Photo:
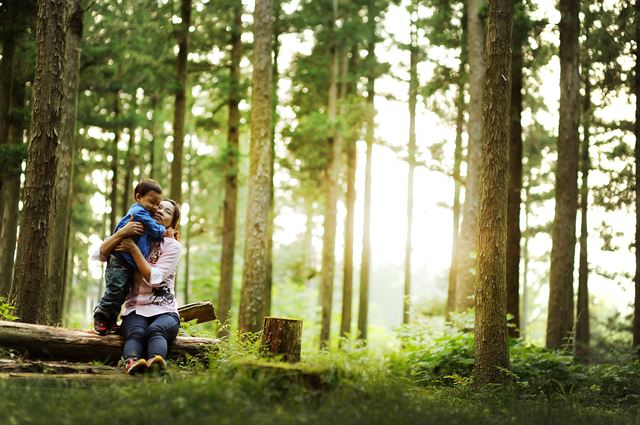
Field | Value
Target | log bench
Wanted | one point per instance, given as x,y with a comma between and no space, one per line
53,343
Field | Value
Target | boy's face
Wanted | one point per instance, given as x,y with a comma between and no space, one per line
149,200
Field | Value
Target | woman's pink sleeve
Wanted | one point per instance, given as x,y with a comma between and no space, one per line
167,262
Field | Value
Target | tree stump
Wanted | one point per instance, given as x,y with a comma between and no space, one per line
282,338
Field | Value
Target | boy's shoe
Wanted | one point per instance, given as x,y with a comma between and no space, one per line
101,325
157,364
133,366
115,328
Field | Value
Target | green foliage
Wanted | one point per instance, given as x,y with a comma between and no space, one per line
6,310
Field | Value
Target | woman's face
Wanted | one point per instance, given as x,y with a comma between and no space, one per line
164,213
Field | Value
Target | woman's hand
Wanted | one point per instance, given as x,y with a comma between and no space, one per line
126,245
132,228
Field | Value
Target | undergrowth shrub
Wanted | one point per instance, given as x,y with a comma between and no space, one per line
444,357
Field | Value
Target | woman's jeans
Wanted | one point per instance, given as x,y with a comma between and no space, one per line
145,337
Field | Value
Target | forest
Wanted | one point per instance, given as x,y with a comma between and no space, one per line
320,211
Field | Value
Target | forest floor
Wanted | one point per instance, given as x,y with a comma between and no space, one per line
354,387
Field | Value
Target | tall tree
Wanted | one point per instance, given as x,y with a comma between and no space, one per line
514,190
363,306
255,272
231,172
560,313
180,101
331,190
113,195
466,243
13,154
413,95
29,290
351,151
491,352
59,237
636,311
582,311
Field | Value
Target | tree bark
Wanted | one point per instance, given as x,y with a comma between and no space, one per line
413,94
490,347
29,291
347,275
363,307
53,343
457,181
180,102
153,131
515,182
61,216
332,174
255,270
466,246
560,312
231,173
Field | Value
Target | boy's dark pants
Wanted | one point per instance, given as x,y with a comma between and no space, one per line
118,276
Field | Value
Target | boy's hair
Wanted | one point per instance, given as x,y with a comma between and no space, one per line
145,186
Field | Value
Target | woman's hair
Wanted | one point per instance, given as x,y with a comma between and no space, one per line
175,219
145,186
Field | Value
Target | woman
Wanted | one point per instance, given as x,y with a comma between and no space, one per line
150,320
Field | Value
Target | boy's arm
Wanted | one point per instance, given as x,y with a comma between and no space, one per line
150,225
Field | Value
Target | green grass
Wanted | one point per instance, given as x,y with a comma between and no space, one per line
427,381
232,396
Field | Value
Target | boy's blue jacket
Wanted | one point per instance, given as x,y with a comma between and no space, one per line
152,231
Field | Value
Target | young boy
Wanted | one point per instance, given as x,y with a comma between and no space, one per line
120,265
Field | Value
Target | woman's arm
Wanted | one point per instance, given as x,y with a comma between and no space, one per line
128,230
158,273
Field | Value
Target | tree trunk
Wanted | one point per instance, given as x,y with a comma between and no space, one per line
582,313
515,181
347,275
29,291
274,120
255,271
231,173
457,180
10,187
491,351
560,317
413,94
59,237
363,307
525,269
282,338
53,343
153,130
466,246
332,174
113,197
180,102
6,89
186,284
127,199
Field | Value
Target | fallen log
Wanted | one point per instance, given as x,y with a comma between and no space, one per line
201,311
52,343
